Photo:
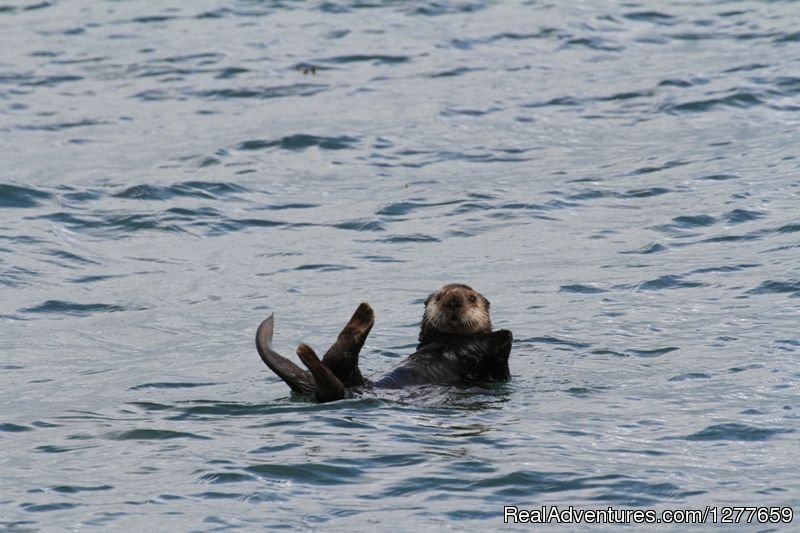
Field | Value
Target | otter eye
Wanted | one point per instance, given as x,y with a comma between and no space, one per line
438,297
472,299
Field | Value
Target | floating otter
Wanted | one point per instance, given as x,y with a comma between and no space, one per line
456,346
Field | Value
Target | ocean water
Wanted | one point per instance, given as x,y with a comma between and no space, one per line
620,178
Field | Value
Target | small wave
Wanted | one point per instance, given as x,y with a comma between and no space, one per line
261,93
686,221
18,276
594,43
670,281
69,258
606,351
228,73
289,205
653,248
582,392
30,7
737,432
404,208
655,17
21,197
154,434
14,428
690,375
93,278
641,493
48,448
789,228
738,216
451,112
361,224
788,37
198,189
655,352
646,193
676,83
47,507
776,287
74,489
307,473
169,385
150,19
112,222
409,238
437,8
719,177
740,99
226,477
62,307
460,71
724,268
549,339
737,369
207,410
60,126
581,289
232,225
324,267
376,59
300,142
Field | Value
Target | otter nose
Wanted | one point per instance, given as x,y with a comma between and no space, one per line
454,303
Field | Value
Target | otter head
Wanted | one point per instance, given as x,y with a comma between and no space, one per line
455,309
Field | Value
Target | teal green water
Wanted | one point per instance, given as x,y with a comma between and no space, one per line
620,180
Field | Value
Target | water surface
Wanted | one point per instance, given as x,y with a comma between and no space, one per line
620,180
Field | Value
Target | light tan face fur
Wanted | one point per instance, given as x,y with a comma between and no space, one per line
457,309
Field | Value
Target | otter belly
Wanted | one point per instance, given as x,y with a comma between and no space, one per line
453,360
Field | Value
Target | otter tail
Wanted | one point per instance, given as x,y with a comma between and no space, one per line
299,380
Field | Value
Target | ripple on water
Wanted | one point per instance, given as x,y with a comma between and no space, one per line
736,431
739,216
310,473
791,287
170,385
48,507
652,248
254,92
14,428
375,59
197,189
480,128
581,289
654,352
75,489
551,340
154,434
301,141
690,375
62,307
16,196
668,282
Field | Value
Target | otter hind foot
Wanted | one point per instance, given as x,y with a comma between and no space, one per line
327,387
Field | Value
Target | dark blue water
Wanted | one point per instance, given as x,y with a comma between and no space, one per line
620,179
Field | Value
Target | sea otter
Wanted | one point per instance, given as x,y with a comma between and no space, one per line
456,346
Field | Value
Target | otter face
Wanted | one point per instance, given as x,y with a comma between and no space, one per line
455,309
